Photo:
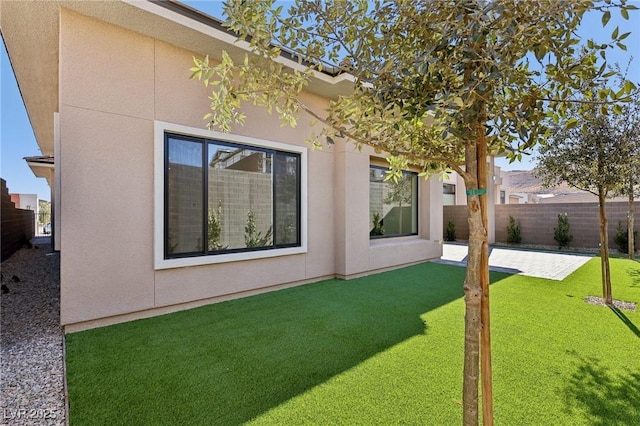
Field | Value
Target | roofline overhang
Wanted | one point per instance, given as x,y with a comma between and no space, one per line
42,167
41,161
31,31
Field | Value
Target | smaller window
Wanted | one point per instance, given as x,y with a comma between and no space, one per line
393,206
448,194
502,197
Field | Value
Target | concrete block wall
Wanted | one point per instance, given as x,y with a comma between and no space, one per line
17,224
376,201
227,187
537,222
230,187
457,214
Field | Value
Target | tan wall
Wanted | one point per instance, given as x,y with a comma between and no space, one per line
537,222
113,84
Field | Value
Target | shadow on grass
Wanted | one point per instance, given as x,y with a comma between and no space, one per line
227,363
626,321
606,398
635,277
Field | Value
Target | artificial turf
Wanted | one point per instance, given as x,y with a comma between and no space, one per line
383,349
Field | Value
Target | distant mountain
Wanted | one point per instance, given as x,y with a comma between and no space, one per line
525,181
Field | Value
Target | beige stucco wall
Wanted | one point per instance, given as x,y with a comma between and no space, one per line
114,84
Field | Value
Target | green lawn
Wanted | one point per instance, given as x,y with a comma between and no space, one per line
384,349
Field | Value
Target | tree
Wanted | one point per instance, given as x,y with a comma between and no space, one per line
589,155
436,84
628,125
400,194
44,215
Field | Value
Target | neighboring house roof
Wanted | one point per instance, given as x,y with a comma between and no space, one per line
525,182
31,34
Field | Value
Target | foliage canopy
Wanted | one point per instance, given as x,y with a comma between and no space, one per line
425,73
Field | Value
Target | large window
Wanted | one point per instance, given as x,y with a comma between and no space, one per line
393,206
222,197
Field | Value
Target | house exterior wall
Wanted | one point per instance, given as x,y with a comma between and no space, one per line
115,85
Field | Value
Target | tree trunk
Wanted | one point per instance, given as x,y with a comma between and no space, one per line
476,288
604,251
485,331
630,217
472,293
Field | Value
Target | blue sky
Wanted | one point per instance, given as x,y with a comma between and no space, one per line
18,141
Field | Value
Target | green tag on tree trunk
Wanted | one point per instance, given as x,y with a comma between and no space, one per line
476,191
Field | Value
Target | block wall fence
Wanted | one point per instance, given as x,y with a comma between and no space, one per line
17,224
537,222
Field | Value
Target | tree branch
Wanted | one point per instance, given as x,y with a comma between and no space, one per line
407,154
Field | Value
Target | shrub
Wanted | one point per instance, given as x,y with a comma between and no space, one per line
561,233
377,225
622,239
451,231
214,234
513,231
253,237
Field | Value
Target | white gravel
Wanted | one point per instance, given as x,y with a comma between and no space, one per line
31,339
620,304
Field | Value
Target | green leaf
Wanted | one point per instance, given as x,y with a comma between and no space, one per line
625,13
629,86
605,18
623,36
614,34
573,122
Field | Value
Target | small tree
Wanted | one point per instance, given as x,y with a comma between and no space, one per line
451,231
44,208
628,125
513,231
562,233
253,237
587,153
399,194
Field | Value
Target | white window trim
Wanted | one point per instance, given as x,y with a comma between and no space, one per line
160,128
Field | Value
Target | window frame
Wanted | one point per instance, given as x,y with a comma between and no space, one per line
444,192
162,131
417,206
